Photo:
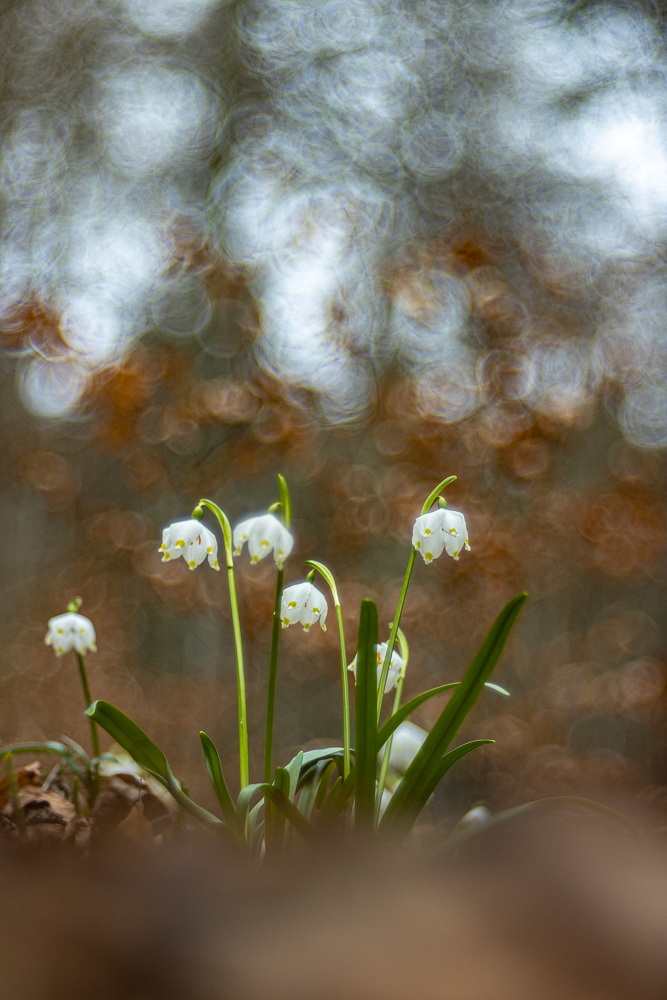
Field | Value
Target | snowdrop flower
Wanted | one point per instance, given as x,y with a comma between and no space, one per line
395,666
441,529
303,603
263,535
405,746
70,631
192,540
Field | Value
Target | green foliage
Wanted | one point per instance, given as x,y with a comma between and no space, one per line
365,721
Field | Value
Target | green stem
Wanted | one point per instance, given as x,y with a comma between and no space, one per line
89,701
346,692
238,644
328,576
394,630
430,500
387,747
273,673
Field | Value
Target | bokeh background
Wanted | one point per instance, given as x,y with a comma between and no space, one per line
366,245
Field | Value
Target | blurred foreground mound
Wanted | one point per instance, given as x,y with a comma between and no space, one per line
540,909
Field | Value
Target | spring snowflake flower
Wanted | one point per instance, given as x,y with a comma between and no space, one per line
395,667
70,631
192,540
405,746
303,603
263,534
441,529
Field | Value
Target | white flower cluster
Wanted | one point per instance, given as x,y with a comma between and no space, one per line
70,631
441,529
192,540
395,667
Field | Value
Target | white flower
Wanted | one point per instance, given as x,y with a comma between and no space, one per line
303,603
70,631
441,529
395,666
405,746
192,540
263,535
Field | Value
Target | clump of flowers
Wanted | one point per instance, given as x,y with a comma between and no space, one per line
306,796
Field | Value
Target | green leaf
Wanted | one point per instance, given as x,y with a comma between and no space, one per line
288,809
49,746
365,720
214,768
338,796
294,770
308,789
131,737
243,802
406,818
147,755
411,788
323,785
394,721
275,822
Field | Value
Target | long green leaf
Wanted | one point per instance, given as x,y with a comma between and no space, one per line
365,720
49,746
275,819
411,788
214,768
406,817
294,770
394,721
288,809
338,796
308,789
323,785
147,755
131,737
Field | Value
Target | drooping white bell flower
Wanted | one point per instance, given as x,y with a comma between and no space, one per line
263,534
70,631
303,603
441,529
395,667
192,540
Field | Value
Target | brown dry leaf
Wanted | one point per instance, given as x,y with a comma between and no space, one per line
29,775
136,825
118,794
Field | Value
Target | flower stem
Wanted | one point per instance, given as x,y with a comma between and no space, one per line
328,576
244,766
394,629
89,701
238,644
273,673
397,704
430,500
346,692
285,507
